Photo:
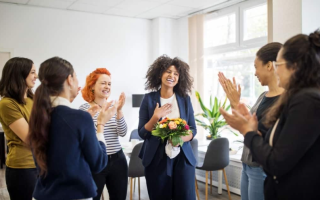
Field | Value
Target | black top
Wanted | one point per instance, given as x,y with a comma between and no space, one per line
292,164
265,104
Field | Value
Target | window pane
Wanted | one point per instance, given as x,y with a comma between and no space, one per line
220,31
238,64
255,22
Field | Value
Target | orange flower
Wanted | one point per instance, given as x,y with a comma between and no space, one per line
163,121
184,122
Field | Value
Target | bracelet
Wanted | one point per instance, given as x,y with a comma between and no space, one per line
100,124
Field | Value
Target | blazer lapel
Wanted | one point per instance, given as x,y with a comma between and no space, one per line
181,105
155,100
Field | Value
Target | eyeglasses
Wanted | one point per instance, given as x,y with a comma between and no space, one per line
276,65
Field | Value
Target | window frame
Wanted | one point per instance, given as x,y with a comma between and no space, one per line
255,41
240,43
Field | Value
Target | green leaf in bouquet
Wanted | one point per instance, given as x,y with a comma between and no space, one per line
176,140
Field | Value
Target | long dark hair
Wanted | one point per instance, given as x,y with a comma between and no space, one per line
52,74
269,52
160,65
302,54
13,81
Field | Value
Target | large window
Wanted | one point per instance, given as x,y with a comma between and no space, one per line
231,39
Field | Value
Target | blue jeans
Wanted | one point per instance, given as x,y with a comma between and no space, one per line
252,181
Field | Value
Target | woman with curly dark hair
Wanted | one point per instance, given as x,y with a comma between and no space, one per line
169,171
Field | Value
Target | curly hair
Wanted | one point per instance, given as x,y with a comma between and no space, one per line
160,65
87,92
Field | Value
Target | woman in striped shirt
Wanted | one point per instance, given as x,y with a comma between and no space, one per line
115,176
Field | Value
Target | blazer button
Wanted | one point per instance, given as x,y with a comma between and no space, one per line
274,177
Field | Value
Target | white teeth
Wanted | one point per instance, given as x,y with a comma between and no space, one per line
171,80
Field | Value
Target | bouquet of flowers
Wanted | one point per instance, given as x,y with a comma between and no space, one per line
172,129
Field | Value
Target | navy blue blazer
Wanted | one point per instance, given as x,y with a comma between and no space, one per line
151,143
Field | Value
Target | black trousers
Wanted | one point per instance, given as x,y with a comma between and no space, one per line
179,186
114,176
21,183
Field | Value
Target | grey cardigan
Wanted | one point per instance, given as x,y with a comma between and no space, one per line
246,154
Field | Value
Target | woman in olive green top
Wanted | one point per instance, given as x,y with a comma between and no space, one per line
18,78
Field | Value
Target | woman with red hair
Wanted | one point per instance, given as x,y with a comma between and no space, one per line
115,176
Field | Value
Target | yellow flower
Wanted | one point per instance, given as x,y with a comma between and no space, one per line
161,126
177,122
164,125
180,120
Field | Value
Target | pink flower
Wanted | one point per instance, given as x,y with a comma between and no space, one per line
186,127
172,125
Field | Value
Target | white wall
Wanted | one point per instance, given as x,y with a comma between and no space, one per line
310,16
170,36
125,46
286,19
88,41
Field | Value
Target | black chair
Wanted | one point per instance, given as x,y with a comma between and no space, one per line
135,135
136,169
216,158
194,146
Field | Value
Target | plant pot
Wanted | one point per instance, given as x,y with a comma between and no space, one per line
209,137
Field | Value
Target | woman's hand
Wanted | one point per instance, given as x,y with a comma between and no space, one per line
107,112
162,111
233,94
188,137
122,100
239,122
93,110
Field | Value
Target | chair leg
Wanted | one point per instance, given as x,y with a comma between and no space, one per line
131,188
206,185
134,184
211,182
197,192
139,186
227,184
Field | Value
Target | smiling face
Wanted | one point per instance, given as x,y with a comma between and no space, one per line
102,88
32,77
263,71
170,77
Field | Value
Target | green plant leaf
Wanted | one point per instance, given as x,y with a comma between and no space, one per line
216,106
203,107
211,102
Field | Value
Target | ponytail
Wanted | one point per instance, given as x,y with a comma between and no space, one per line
40,119
52,74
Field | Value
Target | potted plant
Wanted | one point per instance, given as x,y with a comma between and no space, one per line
213,121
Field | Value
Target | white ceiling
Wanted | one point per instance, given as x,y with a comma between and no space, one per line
147,9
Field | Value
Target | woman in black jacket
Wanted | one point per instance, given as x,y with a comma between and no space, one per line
290,151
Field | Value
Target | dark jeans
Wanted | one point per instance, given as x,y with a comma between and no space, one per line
180,186
21,183
114,176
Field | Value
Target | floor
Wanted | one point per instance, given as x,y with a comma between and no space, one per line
144,194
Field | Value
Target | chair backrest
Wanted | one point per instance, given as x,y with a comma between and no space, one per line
135,135
217,155
194,145
136,169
